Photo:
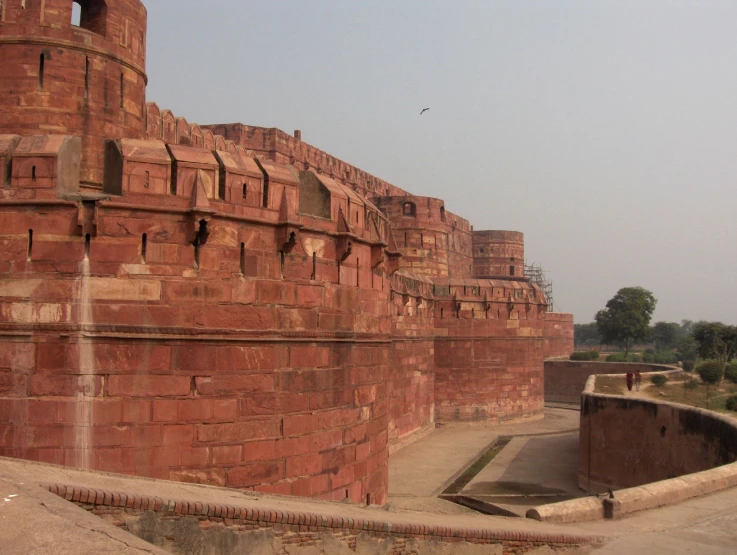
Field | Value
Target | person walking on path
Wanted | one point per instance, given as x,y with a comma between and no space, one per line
638,379
630,379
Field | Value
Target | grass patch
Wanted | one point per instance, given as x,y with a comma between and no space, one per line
470,473
675,392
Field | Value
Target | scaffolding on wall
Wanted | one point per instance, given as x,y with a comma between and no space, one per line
536,275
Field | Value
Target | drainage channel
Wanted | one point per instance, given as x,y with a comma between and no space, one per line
452,492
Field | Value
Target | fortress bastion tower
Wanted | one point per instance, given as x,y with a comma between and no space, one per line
87,80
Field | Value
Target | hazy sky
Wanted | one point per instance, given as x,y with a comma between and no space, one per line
605,131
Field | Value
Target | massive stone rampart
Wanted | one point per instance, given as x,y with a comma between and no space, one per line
176,304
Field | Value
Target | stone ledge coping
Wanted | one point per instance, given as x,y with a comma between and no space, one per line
100,497
575,510
648,496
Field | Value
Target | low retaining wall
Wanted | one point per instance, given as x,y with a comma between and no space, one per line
179,526
661,453
627,442
565,379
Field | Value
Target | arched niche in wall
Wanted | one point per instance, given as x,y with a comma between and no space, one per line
409,210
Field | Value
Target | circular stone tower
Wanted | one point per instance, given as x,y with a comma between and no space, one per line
74,67
498,254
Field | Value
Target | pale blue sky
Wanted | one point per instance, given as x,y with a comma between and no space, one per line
605,131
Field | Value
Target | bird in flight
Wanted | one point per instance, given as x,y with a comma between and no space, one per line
424,110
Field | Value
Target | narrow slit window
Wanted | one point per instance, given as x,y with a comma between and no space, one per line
144,245
86,77
281,263
245,191
243,259
87,242
41,64
265,199
147,180
29,255
511,270
33,173
314,266
122,89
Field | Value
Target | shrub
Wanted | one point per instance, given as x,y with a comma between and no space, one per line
710,372
585,355
665,357
688,365
691,384
732,403
730,371
659,380
619,357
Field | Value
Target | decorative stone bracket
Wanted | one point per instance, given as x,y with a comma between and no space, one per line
288,227
200,213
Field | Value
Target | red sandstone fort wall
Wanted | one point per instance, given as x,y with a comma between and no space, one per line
177,302
558,333
88,80
489,352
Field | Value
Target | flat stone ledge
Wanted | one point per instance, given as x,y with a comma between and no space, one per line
575,510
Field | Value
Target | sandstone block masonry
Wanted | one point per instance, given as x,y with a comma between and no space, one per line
178,304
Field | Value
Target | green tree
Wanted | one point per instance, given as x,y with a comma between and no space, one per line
586,334
687,347
665,334
626,318
716,341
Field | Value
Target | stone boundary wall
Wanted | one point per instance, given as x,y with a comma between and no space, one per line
565,379
706,444
209,522
558,333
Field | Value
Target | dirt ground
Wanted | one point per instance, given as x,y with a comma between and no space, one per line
674,391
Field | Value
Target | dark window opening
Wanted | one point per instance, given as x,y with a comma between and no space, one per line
87,241
358,264
481,250
147,181
265,199
243,259
442,213
33,173
90,15
511,270
29,255
41,63
408,209
314,266
245,191
122,89
144,241
441,313
86,77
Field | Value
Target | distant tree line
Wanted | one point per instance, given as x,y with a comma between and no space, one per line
626,321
